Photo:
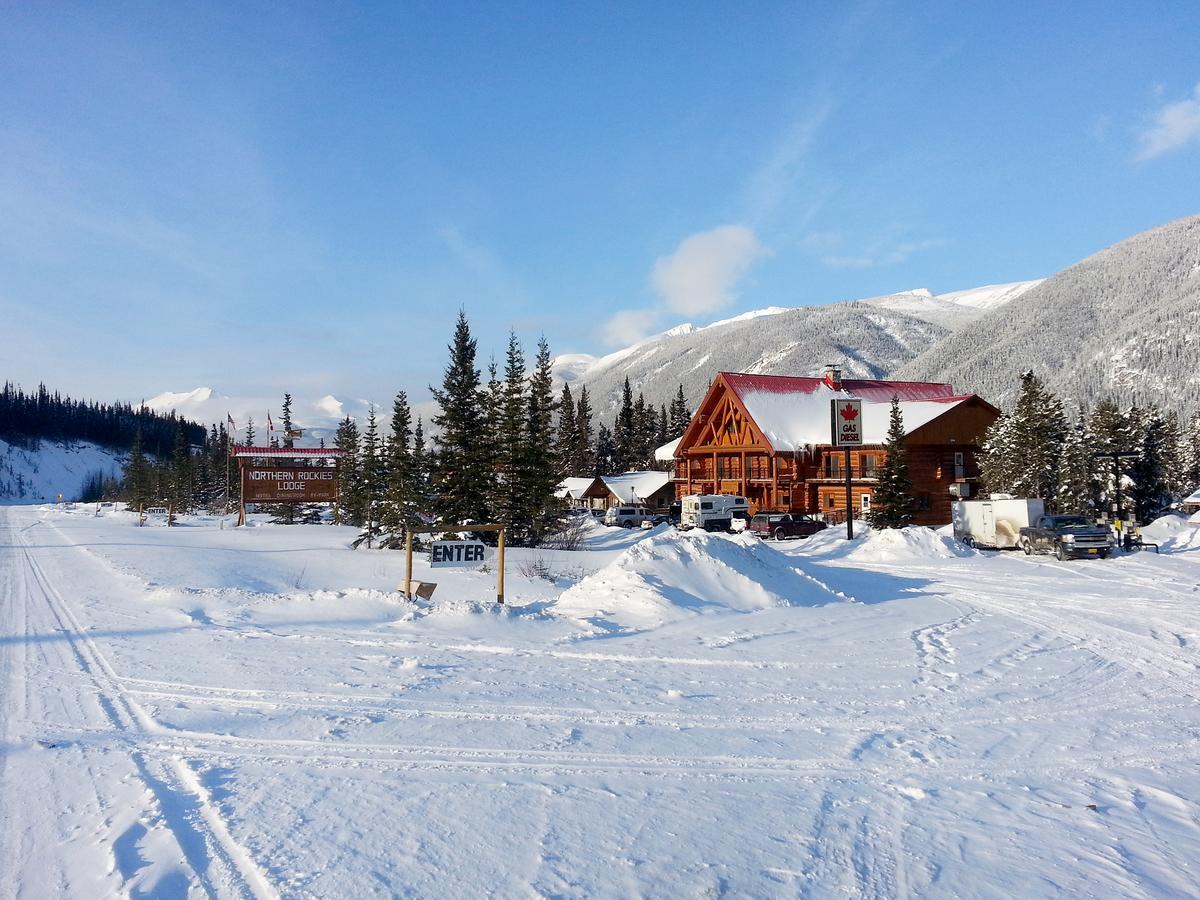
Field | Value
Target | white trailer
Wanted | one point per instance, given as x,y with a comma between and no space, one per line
995,524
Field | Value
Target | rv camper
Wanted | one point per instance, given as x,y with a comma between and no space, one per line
994,524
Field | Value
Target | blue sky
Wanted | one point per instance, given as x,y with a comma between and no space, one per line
300,197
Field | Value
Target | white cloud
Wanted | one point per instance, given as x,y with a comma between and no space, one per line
628,327
882,255
777,177
700,276
1175,125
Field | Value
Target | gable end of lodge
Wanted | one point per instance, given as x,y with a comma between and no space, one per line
767,437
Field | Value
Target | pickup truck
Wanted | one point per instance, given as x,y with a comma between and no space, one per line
1067,537
784,525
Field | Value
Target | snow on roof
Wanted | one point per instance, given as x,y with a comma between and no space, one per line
666,453
629,487
573,488
794,412
286,452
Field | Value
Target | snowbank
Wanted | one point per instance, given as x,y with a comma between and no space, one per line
673,574
871,545
1174,533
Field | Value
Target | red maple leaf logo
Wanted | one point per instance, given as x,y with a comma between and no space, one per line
848,412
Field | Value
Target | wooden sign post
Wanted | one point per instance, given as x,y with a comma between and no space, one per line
465,558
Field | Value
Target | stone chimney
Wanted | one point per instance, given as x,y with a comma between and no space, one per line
833,377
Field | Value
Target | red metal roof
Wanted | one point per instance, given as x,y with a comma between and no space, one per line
286,452
868,389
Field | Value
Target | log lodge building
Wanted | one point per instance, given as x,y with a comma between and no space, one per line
767,437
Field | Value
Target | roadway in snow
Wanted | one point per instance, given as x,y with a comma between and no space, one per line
198,712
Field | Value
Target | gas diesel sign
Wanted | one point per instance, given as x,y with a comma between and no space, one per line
295,484
846,418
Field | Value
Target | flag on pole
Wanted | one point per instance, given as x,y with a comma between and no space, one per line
232,424
270,424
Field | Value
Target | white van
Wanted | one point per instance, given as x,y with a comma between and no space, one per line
629,516
713,512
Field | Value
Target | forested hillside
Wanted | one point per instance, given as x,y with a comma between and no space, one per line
1124,324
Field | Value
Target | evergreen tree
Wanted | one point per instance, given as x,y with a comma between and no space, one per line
623,431
1190,456
138,480
1021,453
461,476
1150,491
250,431
493,413
997,459
606,453
181,473
892,503
584,460
351,497
541,461
663,434
398,510
1109,428
681,416
287,421
1076,470
372,480
568,437
511,502
420,469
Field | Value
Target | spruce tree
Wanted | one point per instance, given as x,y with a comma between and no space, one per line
623,431
372,480
1076,467
181,473
350,487
287,421
541,461
585,455
1150,492
606,453
1022,451
398,508
139,489
681,416
461,475
892,504
1191,457
663,435
493,414
511,501
1109,428
568,437
249,431
420,469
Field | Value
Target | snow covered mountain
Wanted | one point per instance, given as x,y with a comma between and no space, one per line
39,474
318,417
869,338
1124,322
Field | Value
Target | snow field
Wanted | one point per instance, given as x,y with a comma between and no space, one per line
253,712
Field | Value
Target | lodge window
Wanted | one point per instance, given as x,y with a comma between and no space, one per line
869,462
923,502
829,502
728,467
760,467
833,466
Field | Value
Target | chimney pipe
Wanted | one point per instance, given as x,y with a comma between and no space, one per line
833,377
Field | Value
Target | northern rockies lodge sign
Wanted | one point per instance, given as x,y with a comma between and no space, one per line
294,484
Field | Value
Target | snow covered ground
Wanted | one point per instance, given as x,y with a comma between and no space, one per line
55,467
202,711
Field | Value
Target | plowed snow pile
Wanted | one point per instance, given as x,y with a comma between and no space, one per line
678,574
887,545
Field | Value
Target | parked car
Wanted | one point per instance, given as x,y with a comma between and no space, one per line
1067,537
626,516
785,525
712,512
655,520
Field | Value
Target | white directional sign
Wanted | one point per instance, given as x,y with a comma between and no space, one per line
463,554
846,416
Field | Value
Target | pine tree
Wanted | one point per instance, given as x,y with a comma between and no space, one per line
1191,456
584,461
138,487
249,431
461,476
1021,452
372,479
997,459
1109,428
623,431
541,461
606,453
893,504
398,508
511,502
1076,470
663,434
420,469
351,499
287,421
681,416
568,437
1150,491
181,473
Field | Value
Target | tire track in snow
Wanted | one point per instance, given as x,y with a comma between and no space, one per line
184,806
